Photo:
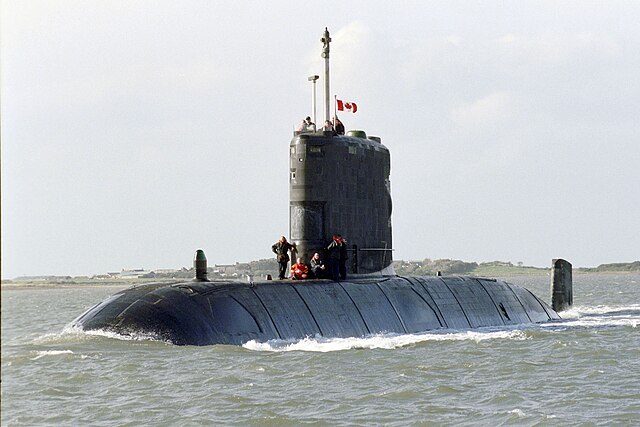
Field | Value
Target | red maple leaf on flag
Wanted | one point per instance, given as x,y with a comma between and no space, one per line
349,106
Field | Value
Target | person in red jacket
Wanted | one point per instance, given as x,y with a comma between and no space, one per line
299,270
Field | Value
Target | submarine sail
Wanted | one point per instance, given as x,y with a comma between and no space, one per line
340,185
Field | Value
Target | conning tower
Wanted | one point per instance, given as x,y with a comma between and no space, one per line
339,184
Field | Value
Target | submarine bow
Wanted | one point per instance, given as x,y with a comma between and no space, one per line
204,313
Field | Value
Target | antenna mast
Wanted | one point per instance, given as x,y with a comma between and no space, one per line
325,54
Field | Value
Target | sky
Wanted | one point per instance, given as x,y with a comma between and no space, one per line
134,133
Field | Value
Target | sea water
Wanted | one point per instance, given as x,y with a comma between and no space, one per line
584,369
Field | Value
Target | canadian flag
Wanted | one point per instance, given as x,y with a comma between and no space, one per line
350,106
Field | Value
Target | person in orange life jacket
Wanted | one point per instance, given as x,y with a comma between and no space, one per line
281,248
334,257
299,271
318,268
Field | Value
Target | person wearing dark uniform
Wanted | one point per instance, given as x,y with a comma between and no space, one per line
338,126
334,257
343,257
281,248
318,268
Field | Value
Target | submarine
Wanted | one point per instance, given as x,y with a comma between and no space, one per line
338,184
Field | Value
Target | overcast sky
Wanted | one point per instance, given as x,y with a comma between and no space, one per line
134,133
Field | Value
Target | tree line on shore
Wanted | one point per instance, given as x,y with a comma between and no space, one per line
427,267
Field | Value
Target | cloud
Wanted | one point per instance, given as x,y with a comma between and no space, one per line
557,47
486,111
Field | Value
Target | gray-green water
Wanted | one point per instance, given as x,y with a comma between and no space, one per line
584,370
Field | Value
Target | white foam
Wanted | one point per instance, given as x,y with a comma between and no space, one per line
598,316
74,333
41,354
133,336
593,322
579,311
379,341
577,317
519,412
68,334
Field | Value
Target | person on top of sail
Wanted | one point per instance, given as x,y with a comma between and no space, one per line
307,125
328,126
338,126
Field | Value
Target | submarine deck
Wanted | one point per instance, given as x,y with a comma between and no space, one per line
203,313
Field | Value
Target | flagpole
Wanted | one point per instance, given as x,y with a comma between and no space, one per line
313,95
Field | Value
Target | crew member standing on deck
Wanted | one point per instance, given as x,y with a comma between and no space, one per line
343,257
334,257
281,248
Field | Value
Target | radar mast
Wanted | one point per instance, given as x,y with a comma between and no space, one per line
325,54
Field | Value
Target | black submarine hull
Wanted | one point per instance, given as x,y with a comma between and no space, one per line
206,313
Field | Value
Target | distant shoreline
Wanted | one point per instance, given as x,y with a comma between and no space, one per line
81,283
99,283
261,268
33,285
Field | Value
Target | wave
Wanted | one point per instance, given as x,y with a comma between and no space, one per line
579,311
130,336
74,334
598,316
577,317
381,341
41,354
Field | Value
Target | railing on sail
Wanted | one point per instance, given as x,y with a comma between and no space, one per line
356,250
